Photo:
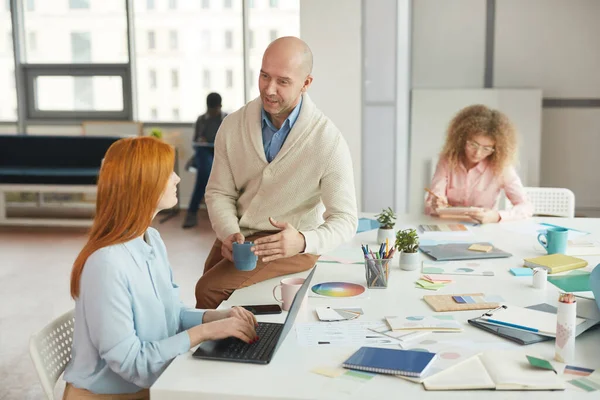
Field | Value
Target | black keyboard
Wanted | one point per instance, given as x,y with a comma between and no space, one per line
260,350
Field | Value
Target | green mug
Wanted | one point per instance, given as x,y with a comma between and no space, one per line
554,240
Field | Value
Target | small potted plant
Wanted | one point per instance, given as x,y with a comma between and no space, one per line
157,133
387,221
407,243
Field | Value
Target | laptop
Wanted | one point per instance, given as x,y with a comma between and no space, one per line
261,352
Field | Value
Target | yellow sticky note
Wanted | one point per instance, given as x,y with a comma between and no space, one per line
330,372
480,247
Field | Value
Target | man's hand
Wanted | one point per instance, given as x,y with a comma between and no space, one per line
227,246
286,243
484,216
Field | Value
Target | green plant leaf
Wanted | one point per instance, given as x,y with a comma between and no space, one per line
387,218
407,241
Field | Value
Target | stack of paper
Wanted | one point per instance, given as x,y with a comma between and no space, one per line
496,369
432,283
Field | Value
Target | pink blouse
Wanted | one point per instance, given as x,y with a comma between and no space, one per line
479,187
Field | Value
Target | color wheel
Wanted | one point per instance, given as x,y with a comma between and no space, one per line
338,289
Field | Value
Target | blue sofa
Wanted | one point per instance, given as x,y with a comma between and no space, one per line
52,160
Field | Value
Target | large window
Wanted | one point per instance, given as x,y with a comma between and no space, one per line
64,29
268,20
198,50
75,63
75,56
8,96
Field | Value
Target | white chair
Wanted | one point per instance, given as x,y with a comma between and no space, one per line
50,350
555,202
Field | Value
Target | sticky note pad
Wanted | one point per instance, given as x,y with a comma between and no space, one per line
480,247
540,363
459,299
521,271
331,372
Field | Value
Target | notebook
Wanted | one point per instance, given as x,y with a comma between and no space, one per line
555,263
447,302
496,369
524,337
390,361
524,319
460,251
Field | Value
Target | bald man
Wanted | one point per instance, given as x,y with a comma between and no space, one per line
282,179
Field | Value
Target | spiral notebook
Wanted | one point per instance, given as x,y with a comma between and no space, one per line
390,361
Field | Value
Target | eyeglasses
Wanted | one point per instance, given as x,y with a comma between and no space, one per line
476,147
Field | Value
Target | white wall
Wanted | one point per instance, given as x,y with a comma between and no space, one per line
550,44
553,45
332,29
448,43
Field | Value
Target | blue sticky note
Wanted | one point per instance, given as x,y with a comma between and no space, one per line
521,271
367,224
469,300
459,299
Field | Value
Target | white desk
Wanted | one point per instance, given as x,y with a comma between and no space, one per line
288,375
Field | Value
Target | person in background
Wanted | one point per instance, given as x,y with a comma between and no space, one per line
476,163
205,132
282,178
129,321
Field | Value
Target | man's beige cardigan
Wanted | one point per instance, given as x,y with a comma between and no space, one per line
309,184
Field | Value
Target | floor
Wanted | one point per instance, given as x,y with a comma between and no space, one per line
35,264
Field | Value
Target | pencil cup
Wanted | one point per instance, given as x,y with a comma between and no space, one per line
377,273
540,276
564,346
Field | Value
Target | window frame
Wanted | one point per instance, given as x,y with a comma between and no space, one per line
32,71
26,73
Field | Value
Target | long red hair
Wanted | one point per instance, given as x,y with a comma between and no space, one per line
132,179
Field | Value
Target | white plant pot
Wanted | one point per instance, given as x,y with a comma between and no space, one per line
383,234
410,261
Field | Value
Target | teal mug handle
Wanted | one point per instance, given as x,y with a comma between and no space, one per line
545,242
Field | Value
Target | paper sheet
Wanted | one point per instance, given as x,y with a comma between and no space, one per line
435,323
448,355
465,267
343,333
349,383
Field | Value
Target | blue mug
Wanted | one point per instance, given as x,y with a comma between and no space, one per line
555,240
243,258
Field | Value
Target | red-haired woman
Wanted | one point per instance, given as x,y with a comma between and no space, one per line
129,321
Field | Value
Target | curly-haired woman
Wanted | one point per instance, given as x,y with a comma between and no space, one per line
477,162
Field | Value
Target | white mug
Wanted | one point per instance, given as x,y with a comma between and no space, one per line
289,288
540,276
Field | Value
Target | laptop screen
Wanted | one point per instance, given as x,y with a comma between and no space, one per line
295,307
